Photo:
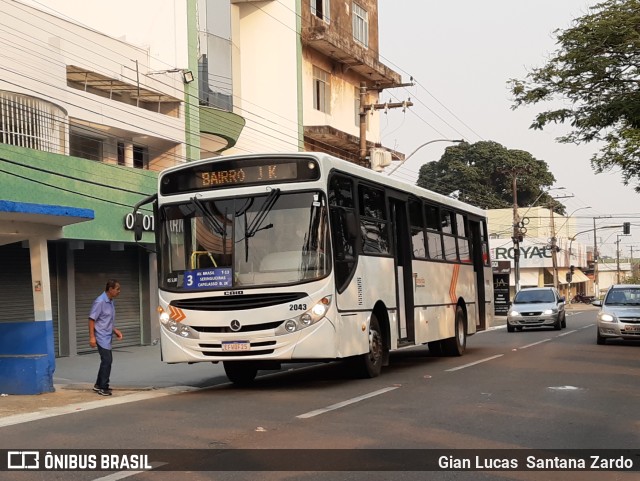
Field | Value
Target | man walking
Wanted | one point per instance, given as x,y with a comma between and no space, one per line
101,329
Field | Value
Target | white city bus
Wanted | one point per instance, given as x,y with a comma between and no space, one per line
277,258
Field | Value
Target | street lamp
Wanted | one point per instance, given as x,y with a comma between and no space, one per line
418,148
569,217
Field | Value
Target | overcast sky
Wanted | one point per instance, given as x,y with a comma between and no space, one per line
462,53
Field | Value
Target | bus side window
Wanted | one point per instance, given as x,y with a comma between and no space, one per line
448,239
344,229
374,227
416,220
434,236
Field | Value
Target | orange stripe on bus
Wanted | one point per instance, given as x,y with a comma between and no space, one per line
454,284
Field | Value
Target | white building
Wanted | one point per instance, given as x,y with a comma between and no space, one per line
538,262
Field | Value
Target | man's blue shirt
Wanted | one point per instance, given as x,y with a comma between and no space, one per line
103,312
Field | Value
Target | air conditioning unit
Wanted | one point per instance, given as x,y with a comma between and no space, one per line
380,158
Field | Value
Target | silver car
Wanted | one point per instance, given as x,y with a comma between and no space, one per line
619,315
536,307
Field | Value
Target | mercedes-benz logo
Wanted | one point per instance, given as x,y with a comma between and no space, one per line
235,325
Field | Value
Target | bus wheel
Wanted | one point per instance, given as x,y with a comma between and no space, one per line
240,372
455,346
435,348
370,364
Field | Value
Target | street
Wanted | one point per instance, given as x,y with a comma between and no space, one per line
536,389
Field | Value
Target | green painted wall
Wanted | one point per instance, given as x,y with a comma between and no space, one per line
111,191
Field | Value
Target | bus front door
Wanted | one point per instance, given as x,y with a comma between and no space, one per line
404,272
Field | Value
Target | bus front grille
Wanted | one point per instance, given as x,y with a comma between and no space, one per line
241,302
246,328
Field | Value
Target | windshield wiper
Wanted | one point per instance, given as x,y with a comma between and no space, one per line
256,224
209,218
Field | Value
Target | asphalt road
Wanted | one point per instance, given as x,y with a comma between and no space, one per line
537,389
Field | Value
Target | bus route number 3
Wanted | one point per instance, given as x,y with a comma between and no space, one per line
297,307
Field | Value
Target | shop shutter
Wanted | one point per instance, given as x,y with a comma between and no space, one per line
94,265
16,298
53,276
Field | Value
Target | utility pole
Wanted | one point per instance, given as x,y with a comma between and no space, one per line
554,249
516,235
366,108
596,285
596,255
618,258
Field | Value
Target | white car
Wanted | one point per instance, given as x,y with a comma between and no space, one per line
619,315
536,307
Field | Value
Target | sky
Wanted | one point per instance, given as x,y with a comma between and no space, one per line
461,54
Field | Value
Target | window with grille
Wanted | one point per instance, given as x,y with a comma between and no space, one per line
32,123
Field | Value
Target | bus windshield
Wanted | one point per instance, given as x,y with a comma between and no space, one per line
264,240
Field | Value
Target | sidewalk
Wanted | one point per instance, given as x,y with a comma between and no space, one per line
137,373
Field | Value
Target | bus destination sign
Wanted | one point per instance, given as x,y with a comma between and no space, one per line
225,173
256,174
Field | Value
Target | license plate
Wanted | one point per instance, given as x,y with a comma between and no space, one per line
236,346
632,328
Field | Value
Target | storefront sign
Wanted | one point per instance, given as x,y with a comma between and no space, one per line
501,271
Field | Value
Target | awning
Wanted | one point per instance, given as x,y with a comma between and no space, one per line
21,220
578,275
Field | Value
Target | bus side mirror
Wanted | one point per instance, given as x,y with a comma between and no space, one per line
137,226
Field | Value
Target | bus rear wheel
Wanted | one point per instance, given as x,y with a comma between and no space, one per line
240,372
370,364
456,345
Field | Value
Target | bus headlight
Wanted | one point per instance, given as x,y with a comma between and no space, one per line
177,327
306,319
164,318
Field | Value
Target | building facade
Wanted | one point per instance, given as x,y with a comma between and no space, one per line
86,122
302,86
546,253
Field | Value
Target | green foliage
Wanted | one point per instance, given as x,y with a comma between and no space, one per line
596,73
483,173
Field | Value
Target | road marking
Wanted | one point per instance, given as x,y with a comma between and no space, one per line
342,404
567,333
82,407
125,474
534,344
474,363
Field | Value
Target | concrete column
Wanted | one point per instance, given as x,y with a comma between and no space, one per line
128,154
40,279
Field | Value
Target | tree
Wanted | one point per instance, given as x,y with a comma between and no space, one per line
481,174
597,70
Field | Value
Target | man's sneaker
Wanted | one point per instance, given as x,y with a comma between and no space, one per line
104,392
96,388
